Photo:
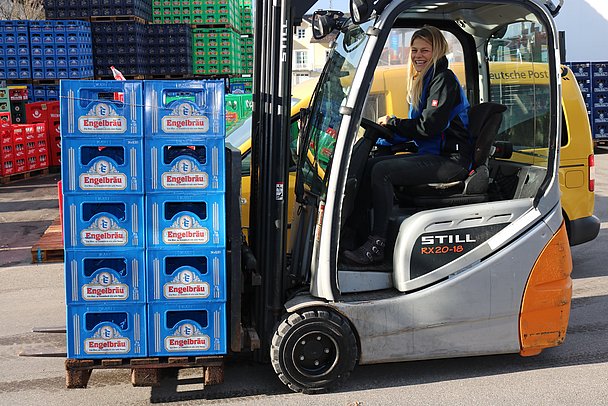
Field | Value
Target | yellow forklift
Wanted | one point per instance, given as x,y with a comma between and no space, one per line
476,267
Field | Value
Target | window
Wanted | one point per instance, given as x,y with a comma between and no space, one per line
300,33
519,77
301,59
301,77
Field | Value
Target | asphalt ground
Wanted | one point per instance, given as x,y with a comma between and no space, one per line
32,296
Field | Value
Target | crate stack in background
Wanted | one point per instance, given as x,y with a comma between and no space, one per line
122,44
185,212
47,113
61,49
216,51
38,53
24,148
592,78
15,61
69,9
217,28
169,48
103,218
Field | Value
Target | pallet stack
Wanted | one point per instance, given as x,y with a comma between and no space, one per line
24,149
69,9
47,113
217,46
169,50
37,54
145,260
122,44
103,216
185,195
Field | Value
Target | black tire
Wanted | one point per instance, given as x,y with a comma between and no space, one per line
312,350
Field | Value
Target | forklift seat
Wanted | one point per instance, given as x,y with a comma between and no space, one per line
484,122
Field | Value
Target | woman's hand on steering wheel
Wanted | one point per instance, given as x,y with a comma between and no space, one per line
375,130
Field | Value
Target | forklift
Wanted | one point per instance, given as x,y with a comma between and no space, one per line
476,267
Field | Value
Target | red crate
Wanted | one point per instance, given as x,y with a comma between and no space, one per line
5,117
18,134
20,150
7,168
36,112
32,162
20,165
6,134
43,160
7,153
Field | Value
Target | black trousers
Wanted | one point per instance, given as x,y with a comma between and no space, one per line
383,173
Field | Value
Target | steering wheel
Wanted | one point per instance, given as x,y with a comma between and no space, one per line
375,130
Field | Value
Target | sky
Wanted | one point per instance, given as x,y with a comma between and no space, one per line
591,14
341,5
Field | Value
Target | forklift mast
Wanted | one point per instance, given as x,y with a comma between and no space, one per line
274,22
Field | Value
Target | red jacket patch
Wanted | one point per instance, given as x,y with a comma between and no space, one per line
434,103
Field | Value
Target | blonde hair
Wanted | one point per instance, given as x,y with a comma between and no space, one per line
439,45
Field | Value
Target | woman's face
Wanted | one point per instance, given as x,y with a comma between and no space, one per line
421,53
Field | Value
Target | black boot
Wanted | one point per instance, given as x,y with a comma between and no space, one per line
371,252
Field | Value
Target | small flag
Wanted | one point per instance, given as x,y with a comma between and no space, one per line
117,74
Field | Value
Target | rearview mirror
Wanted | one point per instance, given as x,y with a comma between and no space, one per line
360,10
325,21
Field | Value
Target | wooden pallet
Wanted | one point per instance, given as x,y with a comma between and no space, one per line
184,76
127,76
120,19
38,82
144,371
23,175
50,246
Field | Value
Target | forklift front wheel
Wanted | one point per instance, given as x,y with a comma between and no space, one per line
312,350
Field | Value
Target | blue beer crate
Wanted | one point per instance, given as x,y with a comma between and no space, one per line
108,222
599,69
185,164
584,85
184,107
581,70
98,276
599,85
600,116
600,131
187,329
106,331
107,108
102,165
185,220
600,101
183,275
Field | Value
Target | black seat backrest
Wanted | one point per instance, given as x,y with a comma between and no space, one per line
484,122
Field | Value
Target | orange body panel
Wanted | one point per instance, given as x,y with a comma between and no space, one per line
545,309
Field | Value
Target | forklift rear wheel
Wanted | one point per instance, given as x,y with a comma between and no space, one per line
312,350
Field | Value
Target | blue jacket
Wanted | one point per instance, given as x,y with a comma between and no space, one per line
440,127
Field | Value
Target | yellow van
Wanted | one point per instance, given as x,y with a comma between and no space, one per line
387,96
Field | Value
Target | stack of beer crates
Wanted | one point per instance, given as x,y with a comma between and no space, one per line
185,210
592,78
5,106
103,218
48,113
61,49
24,148
144,255
14,50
